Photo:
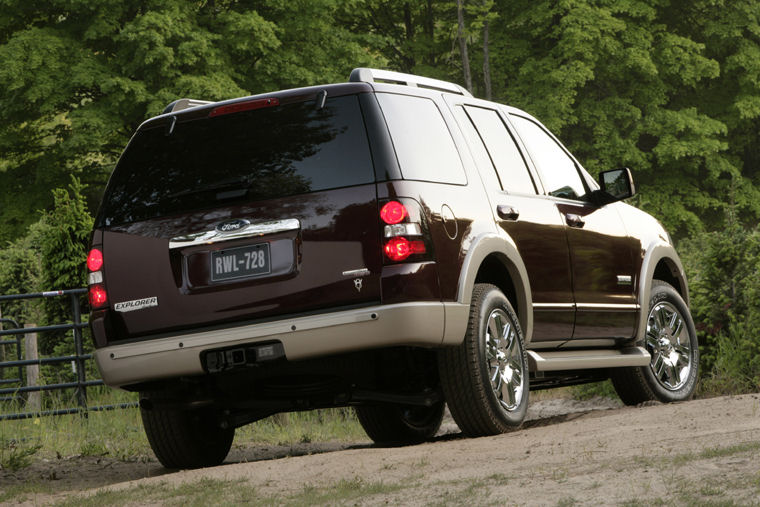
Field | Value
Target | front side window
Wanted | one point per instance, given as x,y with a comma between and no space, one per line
423,143
558,171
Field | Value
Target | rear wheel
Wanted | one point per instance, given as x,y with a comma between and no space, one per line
394,424
485,379
671,340
186,438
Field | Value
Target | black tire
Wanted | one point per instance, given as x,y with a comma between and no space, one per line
476,403
673,372
186,438
394,424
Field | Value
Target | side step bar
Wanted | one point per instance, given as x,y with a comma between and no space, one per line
555,360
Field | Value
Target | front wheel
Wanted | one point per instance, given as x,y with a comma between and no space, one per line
485,379
671,340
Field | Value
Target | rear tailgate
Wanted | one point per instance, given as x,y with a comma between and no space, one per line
312,257
253,210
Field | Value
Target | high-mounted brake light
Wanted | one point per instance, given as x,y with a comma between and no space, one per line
393,212
94,260
248,105
98,296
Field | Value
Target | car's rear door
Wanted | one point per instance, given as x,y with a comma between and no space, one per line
531,220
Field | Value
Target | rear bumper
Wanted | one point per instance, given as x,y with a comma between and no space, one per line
407,324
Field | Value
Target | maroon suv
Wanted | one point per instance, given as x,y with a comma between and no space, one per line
391,244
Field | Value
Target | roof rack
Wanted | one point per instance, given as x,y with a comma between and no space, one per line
179,105
365,75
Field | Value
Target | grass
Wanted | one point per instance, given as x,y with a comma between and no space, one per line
116,433
119,433
225,492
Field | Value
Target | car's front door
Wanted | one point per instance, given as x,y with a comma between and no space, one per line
601,251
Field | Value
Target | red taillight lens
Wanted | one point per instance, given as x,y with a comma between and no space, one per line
393,212
399,249
94,260
98,296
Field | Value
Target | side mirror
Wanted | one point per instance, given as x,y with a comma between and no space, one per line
615,185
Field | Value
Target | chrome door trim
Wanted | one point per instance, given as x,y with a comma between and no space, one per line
607,306
214,236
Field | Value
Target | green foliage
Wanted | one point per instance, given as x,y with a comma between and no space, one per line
724,274
15,456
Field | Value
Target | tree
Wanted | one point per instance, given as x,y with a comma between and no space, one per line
79,77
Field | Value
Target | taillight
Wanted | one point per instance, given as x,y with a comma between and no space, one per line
393,212
399,249
95,260
402,233
97,291
98,296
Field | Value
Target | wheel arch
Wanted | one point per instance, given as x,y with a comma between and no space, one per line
494,259
661,262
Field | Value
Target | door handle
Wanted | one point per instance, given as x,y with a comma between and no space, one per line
574,220
507,212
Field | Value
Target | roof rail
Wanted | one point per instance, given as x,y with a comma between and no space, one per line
365,75
179,105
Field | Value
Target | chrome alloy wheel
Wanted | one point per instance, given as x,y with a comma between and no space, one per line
669,344
504,359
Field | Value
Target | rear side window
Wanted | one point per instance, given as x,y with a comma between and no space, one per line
241,157
423,143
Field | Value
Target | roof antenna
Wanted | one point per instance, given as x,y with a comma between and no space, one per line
321,99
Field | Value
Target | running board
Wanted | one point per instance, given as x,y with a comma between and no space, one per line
556,360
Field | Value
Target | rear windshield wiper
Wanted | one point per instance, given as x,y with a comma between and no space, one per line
225,190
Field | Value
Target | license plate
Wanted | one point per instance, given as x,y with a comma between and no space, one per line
240,262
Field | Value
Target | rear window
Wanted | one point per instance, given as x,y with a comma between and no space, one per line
241,157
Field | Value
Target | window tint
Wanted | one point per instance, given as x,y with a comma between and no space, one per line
422,140
241,157
505,154
557,169
478,150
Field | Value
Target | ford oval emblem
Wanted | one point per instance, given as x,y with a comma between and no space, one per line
232,225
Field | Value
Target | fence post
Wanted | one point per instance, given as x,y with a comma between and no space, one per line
81,387
34,401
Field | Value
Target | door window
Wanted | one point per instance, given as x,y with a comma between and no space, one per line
505,155
558,171
478,150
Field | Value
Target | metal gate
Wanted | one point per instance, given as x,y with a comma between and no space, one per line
78,357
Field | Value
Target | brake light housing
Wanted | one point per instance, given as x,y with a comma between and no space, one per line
403,237
97,294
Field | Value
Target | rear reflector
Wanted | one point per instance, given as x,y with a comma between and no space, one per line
98,296
244,106
94,260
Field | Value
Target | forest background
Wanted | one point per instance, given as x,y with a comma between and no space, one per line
668,88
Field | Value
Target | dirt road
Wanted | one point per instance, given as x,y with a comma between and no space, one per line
703,451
